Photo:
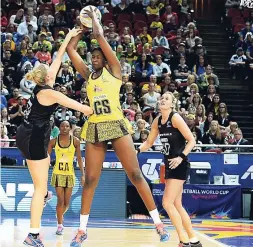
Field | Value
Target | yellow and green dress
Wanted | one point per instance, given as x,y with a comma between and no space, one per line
63,173
108,121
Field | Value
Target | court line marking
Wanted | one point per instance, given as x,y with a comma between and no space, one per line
212,240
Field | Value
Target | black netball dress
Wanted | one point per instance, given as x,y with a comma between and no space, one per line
33,135
173,145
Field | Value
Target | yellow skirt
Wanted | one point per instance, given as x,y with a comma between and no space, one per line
106,131
65,181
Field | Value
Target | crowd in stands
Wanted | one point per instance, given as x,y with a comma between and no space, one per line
159,47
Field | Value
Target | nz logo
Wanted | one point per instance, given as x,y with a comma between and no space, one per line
247,3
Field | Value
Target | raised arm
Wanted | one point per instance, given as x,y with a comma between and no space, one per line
53,69
111,58
76,59
49,97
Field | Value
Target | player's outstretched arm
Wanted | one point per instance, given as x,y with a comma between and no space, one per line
49,97
111,58
54,67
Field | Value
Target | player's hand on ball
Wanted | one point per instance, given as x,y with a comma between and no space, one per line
74,32
175,162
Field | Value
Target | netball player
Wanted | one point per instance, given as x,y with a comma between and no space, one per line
63,176
106,124
174,133
33,135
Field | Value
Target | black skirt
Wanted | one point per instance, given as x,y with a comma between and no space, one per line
180,172
33,140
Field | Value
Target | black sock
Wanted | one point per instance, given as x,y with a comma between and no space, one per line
35,235
46,195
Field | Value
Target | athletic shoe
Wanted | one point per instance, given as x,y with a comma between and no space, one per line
183,245
59,230
198,244
164,235
48,198
78,239
31,241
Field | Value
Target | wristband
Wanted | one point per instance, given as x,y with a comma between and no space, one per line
138,150
183,156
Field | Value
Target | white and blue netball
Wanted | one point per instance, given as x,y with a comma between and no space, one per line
85,19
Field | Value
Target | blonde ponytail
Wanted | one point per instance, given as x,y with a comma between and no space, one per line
38,75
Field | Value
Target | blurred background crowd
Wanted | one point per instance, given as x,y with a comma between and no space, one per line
159,47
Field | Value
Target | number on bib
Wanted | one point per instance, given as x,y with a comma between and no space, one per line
63,166
102,107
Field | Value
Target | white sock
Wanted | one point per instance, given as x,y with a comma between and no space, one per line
60,225
155,216
34,230
194,240
83,221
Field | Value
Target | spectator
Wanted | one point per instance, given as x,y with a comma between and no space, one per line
136,7
120,8
230,137
125,67
213,135
84,99
182,71
152,8
203,79
26,87
201,117
17,112
4,136
237,64
61,6
167,81
239,140
140,126
46,19
30,4
43,55
42,41
160,40
143,69
223,117
199,67
18,18
79,118
4,20
145,34
131,56
5,118
129,100
156,23
3,102
198,142
207,123
214,105
161,69
208,98
191,122
65,76
151,98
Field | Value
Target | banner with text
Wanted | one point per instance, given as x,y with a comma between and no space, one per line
206,201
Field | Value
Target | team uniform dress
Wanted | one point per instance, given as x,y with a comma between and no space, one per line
33,135
63,173
107,122
173,145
